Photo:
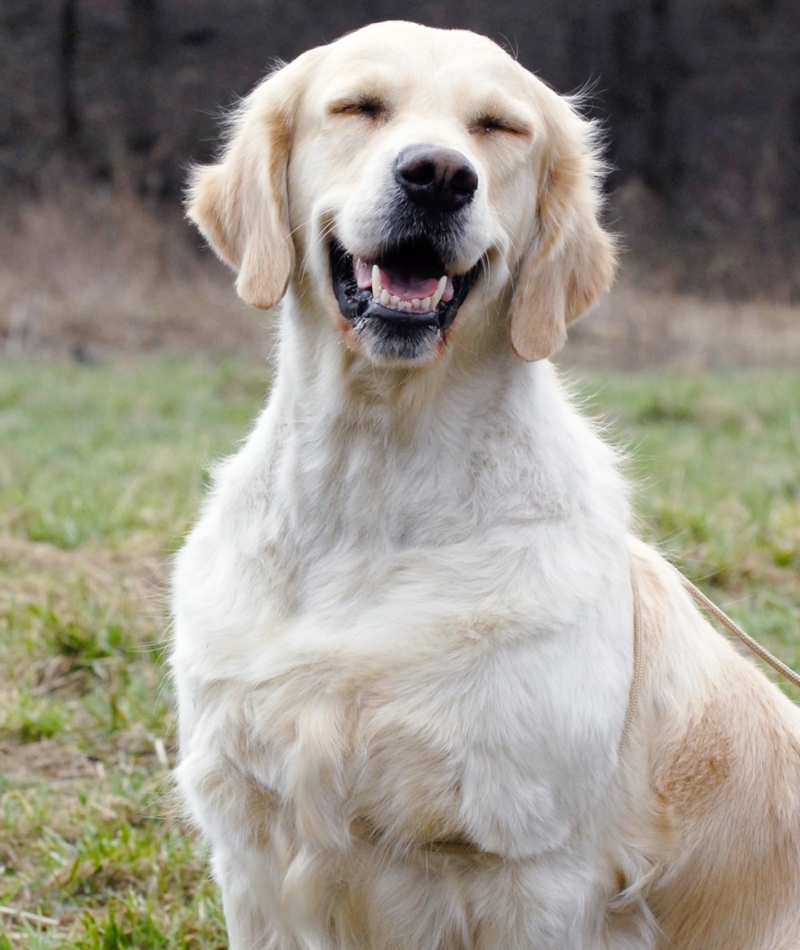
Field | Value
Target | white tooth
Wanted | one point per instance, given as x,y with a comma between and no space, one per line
376,281
405,305
416,303
395,300
439,291
426,303
385,298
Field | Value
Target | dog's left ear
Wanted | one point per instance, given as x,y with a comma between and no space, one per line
571,261
241,204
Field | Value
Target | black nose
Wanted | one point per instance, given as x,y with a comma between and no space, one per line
438,179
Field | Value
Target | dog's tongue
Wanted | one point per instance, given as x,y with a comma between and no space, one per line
408,286
403,285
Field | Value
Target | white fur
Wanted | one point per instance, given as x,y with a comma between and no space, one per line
408,600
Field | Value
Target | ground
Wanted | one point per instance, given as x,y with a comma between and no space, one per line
102,468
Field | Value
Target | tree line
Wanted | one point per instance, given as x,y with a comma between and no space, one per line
701,98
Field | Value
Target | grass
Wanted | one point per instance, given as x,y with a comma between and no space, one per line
102,469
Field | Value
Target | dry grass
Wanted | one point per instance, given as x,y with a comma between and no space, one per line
634,328
90,271
89,838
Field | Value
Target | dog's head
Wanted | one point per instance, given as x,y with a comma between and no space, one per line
409,180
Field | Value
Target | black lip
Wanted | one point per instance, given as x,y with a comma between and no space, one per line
358,305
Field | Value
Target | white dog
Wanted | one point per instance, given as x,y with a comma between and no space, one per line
405,624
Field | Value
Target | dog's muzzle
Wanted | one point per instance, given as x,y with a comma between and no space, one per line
407,294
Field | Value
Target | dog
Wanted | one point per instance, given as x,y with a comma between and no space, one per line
432,693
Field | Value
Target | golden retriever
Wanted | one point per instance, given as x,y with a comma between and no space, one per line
405,625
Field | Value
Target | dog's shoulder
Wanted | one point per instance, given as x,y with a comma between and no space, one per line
720,746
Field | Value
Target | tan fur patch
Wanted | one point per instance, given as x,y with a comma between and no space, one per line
701,765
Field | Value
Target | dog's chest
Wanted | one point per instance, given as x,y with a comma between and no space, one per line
457,679
364,760
473,743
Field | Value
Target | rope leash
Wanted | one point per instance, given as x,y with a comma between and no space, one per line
719,615
636,682
737,631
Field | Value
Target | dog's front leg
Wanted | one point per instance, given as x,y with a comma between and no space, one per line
236,815
244,904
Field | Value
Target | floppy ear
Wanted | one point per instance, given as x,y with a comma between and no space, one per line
571,261
241,204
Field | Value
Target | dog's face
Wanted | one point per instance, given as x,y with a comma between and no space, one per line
411,181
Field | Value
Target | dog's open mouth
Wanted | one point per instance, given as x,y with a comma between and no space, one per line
408,286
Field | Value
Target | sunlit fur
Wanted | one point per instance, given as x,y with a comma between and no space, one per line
407,601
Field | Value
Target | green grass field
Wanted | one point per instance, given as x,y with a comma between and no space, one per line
101,471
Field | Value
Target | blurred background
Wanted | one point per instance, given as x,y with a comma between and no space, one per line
104,104
128,366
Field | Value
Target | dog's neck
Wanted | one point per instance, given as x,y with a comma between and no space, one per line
320,378
424,455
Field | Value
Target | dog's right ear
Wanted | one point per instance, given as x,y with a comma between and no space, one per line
241,203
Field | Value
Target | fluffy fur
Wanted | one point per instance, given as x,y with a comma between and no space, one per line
407,605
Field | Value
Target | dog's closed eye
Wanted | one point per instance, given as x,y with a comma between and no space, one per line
366,104
489,123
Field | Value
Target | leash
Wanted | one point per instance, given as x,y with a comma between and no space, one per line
636,682
719,615
737,631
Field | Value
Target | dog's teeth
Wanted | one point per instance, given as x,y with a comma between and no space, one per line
376,282
395,300
436,298
426,303
385,298
416,303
